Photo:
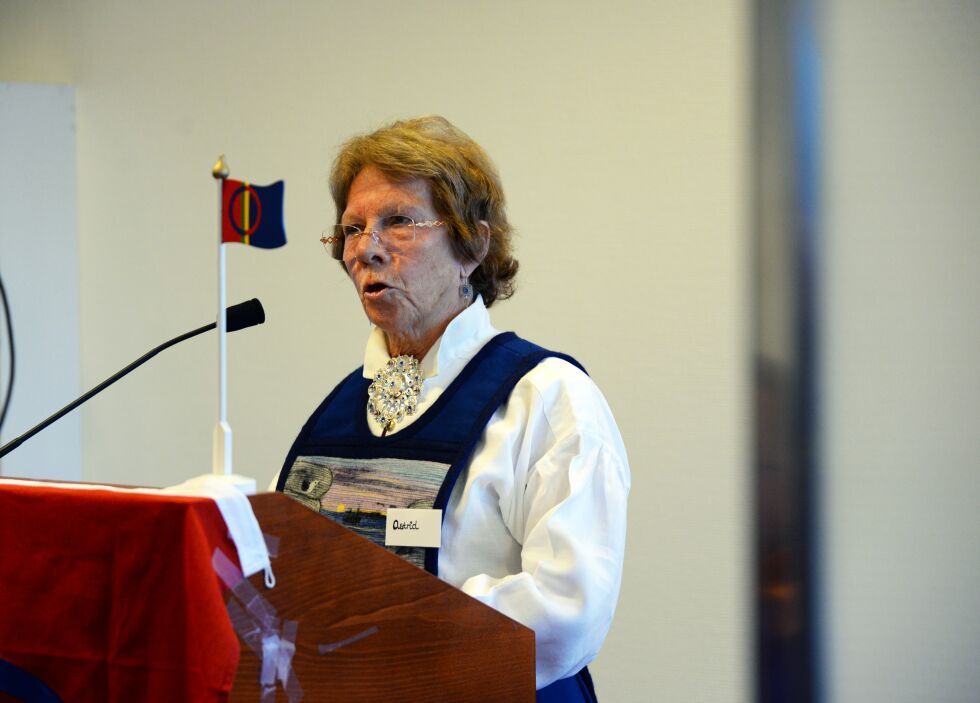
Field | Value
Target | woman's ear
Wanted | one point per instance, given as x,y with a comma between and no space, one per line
483,242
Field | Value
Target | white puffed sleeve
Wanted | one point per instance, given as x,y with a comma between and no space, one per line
538,529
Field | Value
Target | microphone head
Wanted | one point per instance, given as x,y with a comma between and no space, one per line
247,314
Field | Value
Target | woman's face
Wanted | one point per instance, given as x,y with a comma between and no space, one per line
410,291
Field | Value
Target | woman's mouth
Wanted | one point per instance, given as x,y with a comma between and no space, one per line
374,290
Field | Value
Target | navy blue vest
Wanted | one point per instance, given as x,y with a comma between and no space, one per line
336,449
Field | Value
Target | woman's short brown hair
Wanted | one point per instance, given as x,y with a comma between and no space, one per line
465,189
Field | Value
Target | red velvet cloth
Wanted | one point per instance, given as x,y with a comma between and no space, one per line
110,596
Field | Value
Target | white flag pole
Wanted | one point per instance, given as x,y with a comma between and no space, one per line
221,447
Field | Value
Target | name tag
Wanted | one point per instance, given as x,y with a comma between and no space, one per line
408,527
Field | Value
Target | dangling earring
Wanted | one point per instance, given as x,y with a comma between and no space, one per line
465,288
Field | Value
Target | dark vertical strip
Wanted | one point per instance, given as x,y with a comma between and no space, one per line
807,120
786,179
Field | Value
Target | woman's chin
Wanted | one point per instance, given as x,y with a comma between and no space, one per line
385,317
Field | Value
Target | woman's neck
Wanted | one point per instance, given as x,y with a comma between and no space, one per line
417,345
413,346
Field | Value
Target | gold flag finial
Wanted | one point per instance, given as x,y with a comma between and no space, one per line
220,168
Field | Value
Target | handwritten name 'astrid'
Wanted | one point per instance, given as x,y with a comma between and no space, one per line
404,525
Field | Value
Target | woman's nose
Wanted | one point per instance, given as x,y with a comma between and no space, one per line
370,248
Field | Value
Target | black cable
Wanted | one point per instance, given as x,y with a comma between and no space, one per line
10,346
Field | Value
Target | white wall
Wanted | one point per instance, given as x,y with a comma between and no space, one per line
620,131
39,254
901,324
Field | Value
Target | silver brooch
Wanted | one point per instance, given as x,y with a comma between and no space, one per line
395,391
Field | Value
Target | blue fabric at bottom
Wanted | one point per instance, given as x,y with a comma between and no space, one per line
574,689
23,686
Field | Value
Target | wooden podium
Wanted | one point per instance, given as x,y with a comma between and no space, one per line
110,596
432,642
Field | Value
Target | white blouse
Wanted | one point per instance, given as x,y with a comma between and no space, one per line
536,526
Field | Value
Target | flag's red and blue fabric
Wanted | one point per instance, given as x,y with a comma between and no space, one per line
252,214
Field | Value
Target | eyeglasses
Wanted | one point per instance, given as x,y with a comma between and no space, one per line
391,232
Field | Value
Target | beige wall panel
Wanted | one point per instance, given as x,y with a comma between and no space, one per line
620,131
901,326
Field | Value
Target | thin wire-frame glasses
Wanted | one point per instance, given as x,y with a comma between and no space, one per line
390,232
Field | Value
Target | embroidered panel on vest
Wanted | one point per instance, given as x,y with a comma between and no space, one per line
357,493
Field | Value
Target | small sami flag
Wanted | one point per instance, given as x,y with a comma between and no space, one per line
252,214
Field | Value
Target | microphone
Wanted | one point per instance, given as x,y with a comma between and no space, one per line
237,317
247,314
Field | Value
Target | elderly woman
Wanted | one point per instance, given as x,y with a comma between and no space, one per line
513,443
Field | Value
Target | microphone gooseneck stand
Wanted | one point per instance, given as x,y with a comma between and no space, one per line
237,317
